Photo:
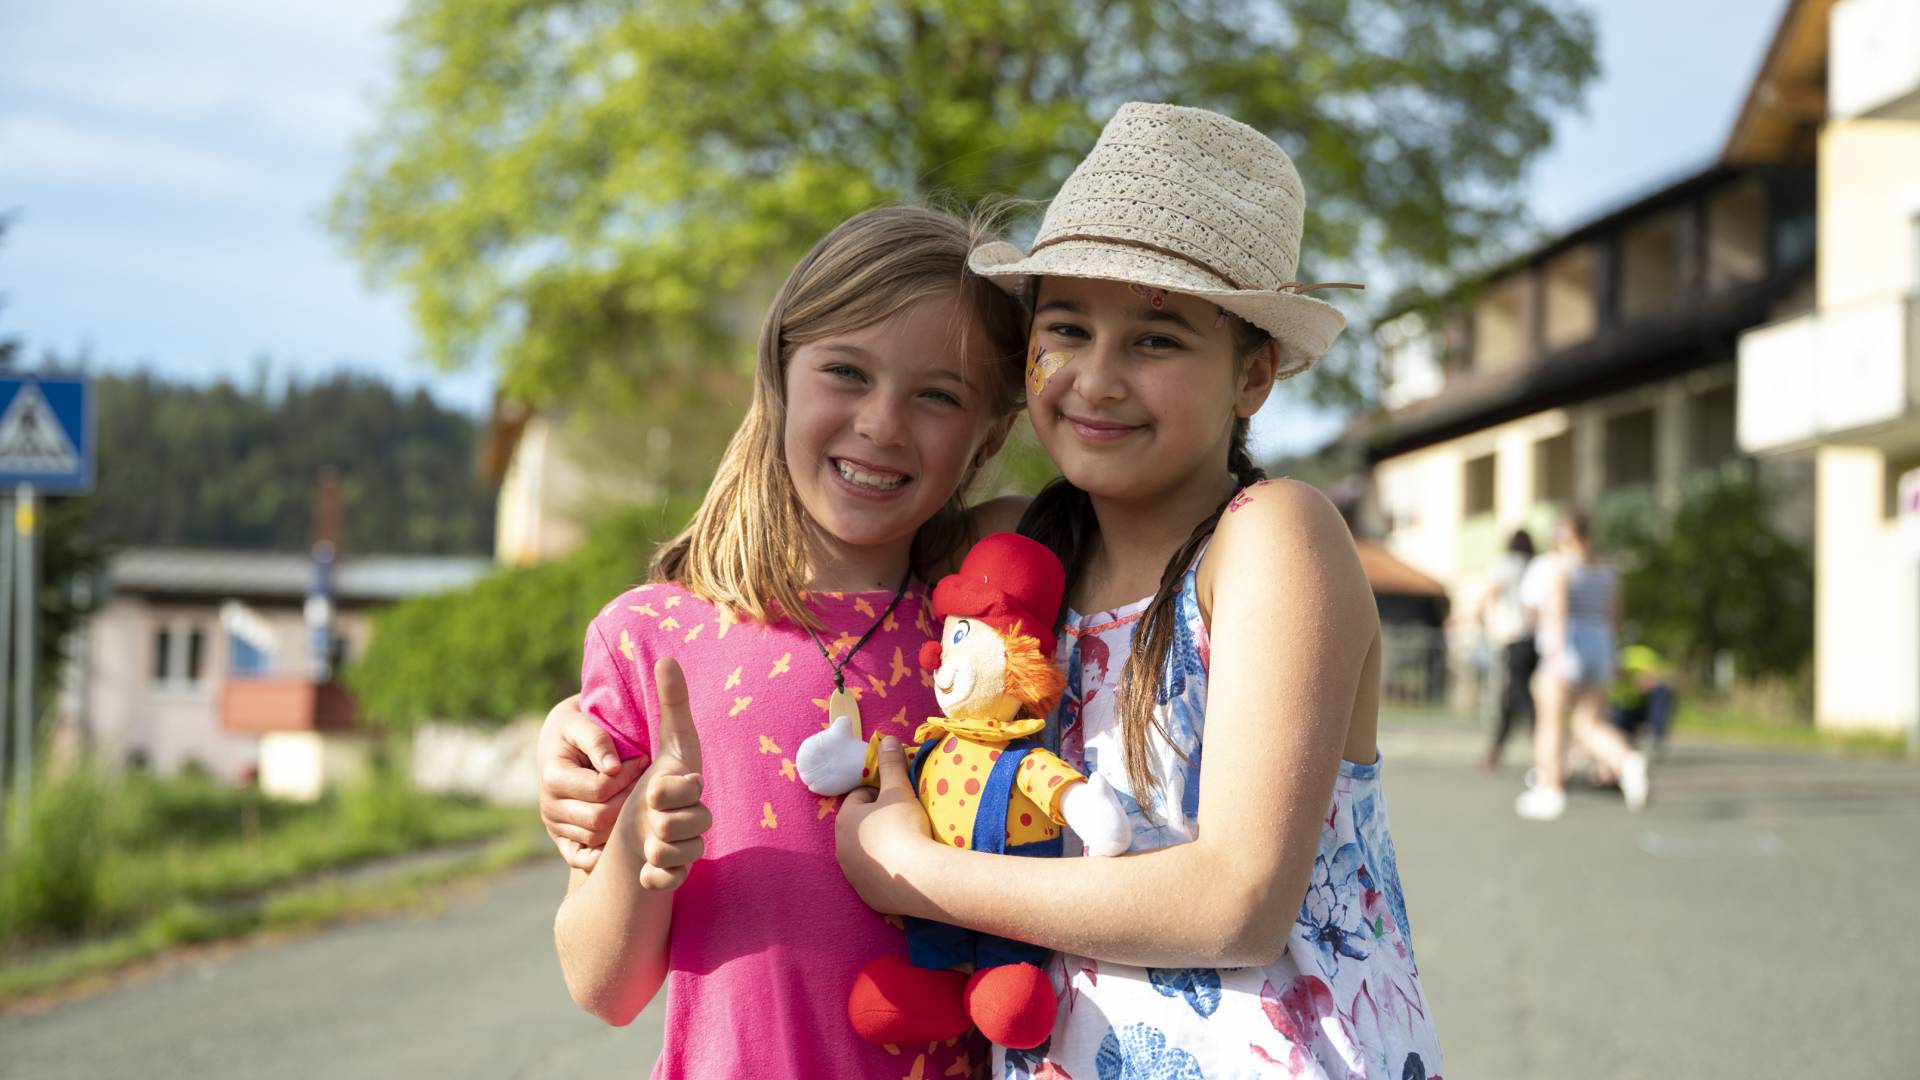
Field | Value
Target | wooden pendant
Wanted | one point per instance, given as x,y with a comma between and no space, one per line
842,703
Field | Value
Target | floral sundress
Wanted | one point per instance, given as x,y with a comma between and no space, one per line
1343,1001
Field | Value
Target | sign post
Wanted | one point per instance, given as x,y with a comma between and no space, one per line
46,448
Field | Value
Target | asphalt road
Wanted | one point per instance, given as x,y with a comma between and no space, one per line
1755,921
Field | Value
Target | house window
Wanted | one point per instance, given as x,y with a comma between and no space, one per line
1479,485
1553,469
162,654
1736,235
1714,434
1503,324
1572,313
1651,266
196,651
1630,454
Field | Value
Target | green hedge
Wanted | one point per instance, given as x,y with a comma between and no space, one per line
509,644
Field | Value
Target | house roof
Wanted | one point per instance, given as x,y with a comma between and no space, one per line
285,574
1788,98
1391,577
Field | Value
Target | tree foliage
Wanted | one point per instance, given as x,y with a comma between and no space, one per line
603,185
222,466
1717,577
487,653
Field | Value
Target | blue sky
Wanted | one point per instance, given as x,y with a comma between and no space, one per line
168,165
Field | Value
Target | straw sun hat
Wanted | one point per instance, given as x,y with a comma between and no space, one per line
1188,201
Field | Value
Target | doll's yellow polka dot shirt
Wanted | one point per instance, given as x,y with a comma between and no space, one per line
955,773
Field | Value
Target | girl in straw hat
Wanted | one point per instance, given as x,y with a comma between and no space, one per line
1258,925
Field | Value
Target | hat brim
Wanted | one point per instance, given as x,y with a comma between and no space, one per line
1307,325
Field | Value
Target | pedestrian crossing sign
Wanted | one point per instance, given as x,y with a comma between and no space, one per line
46,433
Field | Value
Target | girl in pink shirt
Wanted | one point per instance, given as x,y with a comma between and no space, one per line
886,376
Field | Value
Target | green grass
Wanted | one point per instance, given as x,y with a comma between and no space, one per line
110,856
1710,720
189,923
1721,723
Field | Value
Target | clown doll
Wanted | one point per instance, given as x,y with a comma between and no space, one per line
985,784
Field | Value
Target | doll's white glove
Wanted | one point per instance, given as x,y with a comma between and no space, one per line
1094,813
830,760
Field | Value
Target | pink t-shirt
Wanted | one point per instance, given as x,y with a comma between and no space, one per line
767,935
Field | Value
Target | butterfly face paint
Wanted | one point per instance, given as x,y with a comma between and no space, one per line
1156,297
1041,365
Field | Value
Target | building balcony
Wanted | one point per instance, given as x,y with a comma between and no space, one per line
1874,69
1834,375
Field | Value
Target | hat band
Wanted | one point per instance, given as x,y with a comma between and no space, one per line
1290,286
1144,246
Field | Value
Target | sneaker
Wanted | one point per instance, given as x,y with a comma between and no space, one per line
1633,781
1541,804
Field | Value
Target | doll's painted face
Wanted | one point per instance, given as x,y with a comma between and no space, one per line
972,677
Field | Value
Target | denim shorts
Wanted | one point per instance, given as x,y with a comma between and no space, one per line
1587,663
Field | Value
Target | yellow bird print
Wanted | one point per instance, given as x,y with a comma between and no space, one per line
672,601
900,670
780,667
740,705
733,680
889,624
919,1071
900,718
767,818
626,644
860,605
669,623
644,609
695,632
787,770
826,807
844,642
878,686
768,746
962,1066
725,621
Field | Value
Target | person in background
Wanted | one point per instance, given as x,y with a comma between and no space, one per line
1509,624
1579,616
1642,697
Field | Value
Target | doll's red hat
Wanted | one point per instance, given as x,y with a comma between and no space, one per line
1010,582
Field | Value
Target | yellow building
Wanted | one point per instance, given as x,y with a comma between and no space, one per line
1840,384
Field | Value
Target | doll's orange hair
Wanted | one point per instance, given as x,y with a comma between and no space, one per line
1031,676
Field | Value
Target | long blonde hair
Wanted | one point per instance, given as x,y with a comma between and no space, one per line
746,548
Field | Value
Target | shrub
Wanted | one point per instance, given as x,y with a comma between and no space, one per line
511,642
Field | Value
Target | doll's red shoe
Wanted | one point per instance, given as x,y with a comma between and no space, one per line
1012,1005
894,1002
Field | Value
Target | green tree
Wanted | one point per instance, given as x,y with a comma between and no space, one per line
1717,576
594,191
221,466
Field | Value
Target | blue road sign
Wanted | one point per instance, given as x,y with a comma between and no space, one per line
46,433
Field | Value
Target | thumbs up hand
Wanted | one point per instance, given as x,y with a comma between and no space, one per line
672,821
